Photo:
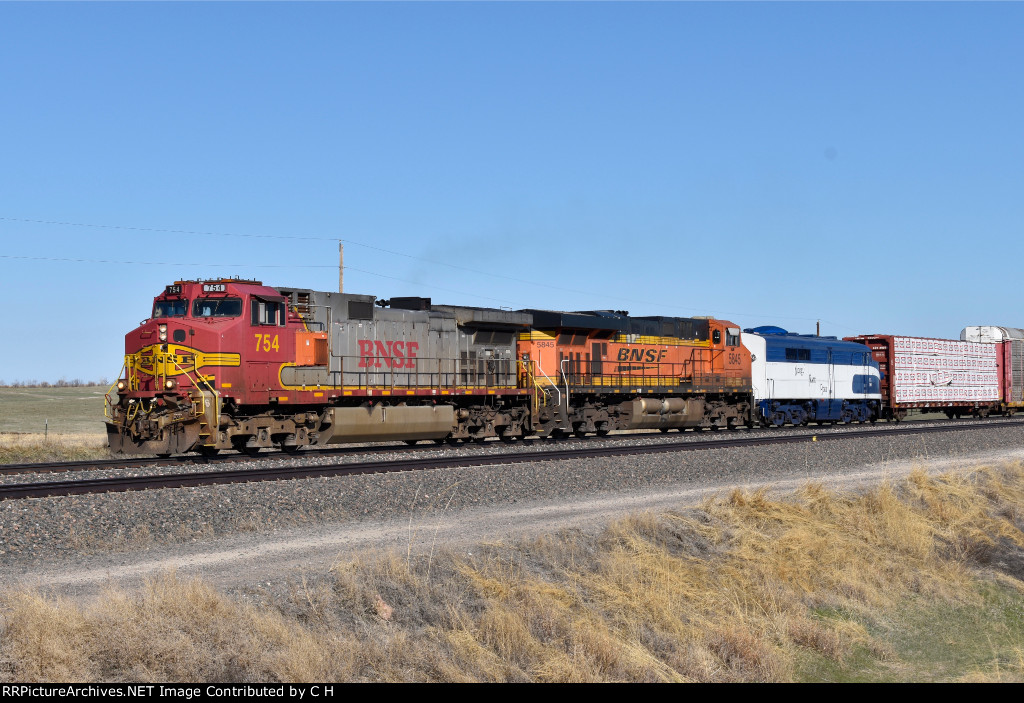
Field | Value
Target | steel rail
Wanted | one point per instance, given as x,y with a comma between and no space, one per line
196,459
111,485
186,459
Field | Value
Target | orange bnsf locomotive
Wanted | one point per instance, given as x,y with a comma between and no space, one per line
235,364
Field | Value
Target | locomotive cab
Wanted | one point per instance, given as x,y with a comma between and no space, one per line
183,365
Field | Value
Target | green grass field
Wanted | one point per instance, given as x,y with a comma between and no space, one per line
56,411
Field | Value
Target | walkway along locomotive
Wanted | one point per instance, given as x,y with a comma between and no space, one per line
234,364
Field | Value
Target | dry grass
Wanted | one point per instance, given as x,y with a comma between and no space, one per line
815,586
52,424
33,447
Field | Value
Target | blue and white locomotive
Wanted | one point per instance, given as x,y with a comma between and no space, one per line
800,378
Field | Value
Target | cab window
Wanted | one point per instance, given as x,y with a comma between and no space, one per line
170,308
217,307
267,312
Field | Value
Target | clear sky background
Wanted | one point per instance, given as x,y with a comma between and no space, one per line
861,164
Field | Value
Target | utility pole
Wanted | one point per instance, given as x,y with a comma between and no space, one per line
341,267
819,328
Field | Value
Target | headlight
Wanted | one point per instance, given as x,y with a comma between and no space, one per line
121,385
162,333
170,384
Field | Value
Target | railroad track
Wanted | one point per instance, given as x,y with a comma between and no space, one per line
137,462
183,480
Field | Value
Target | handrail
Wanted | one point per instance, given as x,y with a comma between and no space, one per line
202,396
553,384
561,367
531,379
108,406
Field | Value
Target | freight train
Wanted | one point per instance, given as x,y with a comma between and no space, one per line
234,364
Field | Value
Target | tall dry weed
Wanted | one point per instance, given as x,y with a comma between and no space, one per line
31,448
740,588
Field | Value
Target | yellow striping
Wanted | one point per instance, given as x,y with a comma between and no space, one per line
536,335
318,395
225,385
177,360
663,341
218,359
622,338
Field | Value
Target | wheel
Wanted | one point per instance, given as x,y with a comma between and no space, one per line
251,451
290,448
209,451
411,442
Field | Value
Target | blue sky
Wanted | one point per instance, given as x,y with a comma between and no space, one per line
861,164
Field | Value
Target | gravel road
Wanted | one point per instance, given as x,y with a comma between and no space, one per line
243,537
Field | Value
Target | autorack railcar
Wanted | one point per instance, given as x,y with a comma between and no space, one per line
1009,342
924,374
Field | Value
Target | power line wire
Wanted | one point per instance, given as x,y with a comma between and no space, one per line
489,274
239,266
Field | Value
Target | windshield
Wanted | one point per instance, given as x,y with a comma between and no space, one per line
170,308
217,307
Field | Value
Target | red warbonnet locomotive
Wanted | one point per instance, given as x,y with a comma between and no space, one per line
235,364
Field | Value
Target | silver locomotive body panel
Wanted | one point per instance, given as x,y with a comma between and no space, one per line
444,347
